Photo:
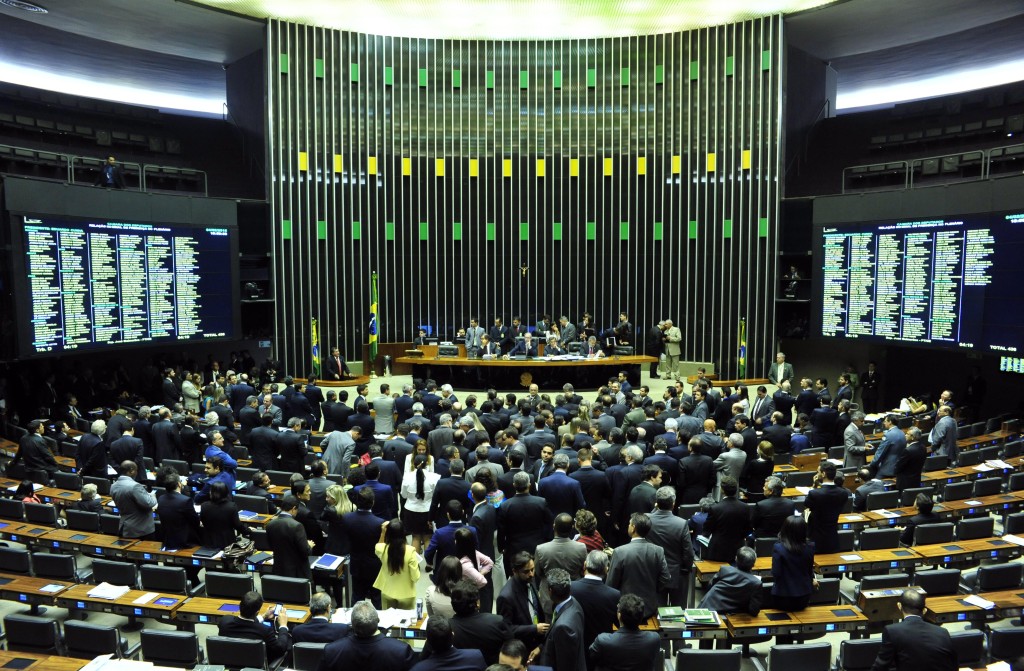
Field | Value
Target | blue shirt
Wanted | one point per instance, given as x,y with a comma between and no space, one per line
225,477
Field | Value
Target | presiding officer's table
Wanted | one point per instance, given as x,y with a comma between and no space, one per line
463,372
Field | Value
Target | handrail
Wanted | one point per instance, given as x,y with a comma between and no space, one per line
910,163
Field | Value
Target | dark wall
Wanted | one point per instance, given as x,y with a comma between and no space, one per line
807,102
503,178
247,110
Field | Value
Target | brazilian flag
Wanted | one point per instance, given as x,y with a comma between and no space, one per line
742,358
374,323
314,337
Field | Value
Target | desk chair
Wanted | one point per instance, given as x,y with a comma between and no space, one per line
1013,449
1005,644
15,560
1014,523
115,572
999,576
909,495
244,473
58,567
806,657
280,478
257,504
975,527
957,491
1015,483
33,634
68,481
236,653
969,646
307,656
858,654
278,589
932,534
13,510
179,649
800,478
969,458
870,582
90,640
707,660
102,484
987,487
938,582
991,452
880,539
110,525
880,500
935,462
178,465
41,513
172,579
231,586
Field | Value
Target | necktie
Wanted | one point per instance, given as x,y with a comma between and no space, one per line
757,406
531,602
337,361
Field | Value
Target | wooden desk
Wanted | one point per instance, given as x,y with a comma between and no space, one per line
704,571
42,662
502,374
768,622
866,560
818,619
26,589
29,534
952,608
77,598
203,610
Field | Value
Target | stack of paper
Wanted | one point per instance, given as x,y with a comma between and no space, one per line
107,591
976,600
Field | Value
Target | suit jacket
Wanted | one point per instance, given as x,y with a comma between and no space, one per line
179,520
728,524
672,534
860,497
639,567
823,427
379,653
761,409
673,336
915,645
806,402
335,369
855,447
166,441
363,533
597,493
443,541
793,571
563,647
563,553
733,591
521,348
263,447
287,539
600,607
513,606
452,659
773,372
825,504
641,498
449,489
291,448
278,640
627,650
768,515
563,494
319,630
567,334
483,631
524,522
220,524
888,453
249,419
943,438
384,504
696,478
239,393
91,456
485,521
731,462
909,465
128,448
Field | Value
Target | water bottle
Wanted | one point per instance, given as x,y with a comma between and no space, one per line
419,609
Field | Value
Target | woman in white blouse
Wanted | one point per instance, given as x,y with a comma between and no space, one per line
417,491
190,392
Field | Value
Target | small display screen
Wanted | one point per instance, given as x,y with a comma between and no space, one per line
229,608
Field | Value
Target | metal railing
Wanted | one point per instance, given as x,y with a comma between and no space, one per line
947,168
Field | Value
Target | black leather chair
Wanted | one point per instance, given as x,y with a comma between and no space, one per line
999,576
179,649
110,525
987,487
938,582
969,646
931,534
909,495
307,656
858,654
178,465
976,527
277,589
708,660
171,579
33,634
83,520
236,653
90,640
1006,644
806,657
879,539
257,504
12,510
231,586
957,491
69,481
15,560
1014,523
881,500
58,567
115,572
41,513
102,484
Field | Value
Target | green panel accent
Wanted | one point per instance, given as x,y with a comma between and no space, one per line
321,230
456,79
284,64
728,66
389,75
318,68
524,231
286,229
591,77
694,70
624,76
423,76
424,230
353,71
389,231
357,230
490,79
727,228
659,231
524,79
556,231
659,74
556,79
491,231
766,60
623,230
693,230
457,230
762,227
591,230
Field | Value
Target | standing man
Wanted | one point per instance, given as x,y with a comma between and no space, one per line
780,371
562,552
914,644
910,463
943,435
135,504
563,648
825,504
473,337
628,649
654,345
110,175
870,388
673,338
888,453
639,566
519,603
854,443
384,409
672,534
336,368
524,521
288,542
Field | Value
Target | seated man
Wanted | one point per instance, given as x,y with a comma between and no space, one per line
552,348
734,589
319,628
215,473
443,655
628,648
249,624
366,647
524,347
258,487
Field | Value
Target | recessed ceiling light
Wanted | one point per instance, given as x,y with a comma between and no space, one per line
27,6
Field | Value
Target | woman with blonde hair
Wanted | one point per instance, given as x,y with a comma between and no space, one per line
338,505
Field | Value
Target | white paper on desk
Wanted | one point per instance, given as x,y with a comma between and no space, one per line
850,557
146,598
887,513
973,502
983,467
998,666
1016,540
852,518
97,663
50,589
976,600
107,591
396,617
803,490
998,463
342,616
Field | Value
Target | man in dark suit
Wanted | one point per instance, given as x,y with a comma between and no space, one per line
784,402
442,542
870,486
844,392
807,400
519,603
728,523
628,649
696,476
526,346
563,494
240,391
888,452
439,653
672,534
316,399
249,624
870,388
166,440
299,406
290,445
335,367
366,647
178,516
563,647
385,506
825,504
639,566
915,644
778,433
599,601
288,542
262,442
248,418
473,629
910,462
524,521
129,448
734,589
597,493
768,513
319,628
363,532
169,388
823,425
452,488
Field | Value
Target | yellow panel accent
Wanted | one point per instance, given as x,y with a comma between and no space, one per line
607,167
746,159
474,167
371,165
506,167
303,161
540,167
677,164
711,162
439,166
641,165
574,167
337,162
406,166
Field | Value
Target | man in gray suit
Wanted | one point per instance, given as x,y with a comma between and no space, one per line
473,335
639,566
780,371
730,462
854,442
384,409
562,552
567,331
943,435
135,504
672,534
673,338
734,589
268,408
